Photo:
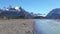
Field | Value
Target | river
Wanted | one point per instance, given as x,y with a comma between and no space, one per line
47,26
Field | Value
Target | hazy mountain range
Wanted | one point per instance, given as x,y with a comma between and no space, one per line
19,12
14,13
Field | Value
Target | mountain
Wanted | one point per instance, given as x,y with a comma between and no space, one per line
54,14
13,13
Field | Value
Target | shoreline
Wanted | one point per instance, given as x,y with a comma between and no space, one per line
16,26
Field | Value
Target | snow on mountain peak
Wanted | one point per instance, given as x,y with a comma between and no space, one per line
17,8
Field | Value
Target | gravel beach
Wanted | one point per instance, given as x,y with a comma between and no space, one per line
16,26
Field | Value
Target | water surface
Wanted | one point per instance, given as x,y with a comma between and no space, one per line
47,26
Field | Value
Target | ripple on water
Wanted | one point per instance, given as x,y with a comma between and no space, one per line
47,26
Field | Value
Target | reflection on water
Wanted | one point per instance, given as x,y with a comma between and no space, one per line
46,26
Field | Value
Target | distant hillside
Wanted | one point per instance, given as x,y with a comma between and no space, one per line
39,17
54,14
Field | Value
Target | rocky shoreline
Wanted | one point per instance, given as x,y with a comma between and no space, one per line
16,26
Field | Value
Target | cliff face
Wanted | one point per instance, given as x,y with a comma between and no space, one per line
55,14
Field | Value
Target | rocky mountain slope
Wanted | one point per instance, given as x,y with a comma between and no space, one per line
55,14
15,13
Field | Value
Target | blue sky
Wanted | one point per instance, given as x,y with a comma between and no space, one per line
36,6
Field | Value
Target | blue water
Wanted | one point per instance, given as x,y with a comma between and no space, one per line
47,26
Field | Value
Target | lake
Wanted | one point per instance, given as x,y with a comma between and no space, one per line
47,26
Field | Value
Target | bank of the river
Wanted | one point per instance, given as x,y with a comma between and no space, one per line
16,26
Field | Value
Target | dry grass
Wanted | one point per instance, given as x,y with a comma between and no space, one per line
16,26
